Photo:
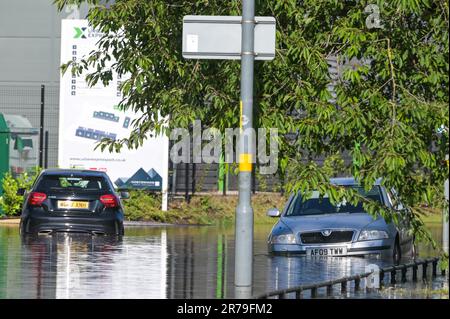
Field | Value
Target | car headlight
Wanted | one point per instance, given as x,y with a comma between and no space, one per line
372,235
283,239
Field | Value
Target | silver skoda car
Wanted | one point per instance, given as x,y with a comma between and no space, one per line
315,227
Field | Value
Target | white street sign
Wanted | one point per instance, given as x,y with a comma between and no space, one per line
220,37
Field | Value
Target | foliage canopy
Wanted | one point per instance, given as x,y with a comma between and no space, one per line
388,103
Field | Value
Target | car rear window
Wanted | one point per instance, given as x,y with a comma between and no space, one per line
72,183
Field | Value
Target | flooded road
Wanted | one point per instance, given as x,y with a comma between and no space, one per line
165,262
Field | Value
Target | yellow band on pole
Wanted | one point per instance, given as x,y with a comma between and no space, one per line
245,162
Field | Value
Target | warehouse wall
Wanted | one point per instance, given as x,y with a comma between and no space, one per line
30,57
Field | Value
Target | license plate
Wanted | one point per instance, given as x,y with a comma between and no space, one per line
335,251
68,204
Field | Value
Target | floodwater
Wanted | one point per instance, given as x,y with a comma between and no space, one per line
168,262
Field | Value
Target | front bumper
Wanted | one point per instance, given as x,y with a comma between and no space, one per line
377,247
104,225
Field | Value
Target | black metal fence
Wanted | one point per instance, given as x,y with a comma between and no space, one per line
380,277
26,101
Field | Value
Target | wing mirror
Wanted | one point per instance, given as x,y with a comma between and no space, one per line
124,195
273,212
399,206
21,192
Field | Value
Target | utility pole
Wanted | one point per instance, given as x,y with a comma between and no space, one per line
200,41
244,212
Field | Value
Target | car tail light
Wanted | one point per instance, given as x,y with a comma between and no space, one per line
109,200
36,198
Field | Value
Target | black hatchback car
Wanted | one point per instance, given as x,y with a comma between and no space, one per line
72,201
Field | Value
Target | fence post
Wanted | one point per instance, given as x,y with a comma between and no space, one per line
424,270
46,150
194,167
41,128
357,283
434,267
225,181
329,290
343,286
186,182
414,276
404,270
174,179
393,274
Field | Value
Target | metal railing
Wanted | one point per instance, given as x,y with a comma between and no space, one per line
343,282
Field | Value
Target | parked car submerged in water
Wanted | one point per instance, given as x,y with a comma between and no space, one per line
315,227
72,201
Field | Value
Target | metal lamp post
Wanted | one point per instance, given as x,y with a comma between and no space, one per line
244,212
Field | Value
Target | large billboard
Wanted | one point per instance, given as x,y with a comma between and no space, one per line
88,114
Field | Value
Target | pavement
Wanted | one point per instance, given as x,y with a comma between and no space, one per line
10,221
141,223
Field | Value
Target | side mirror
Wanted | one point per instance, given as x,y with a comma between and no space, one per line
124,195
21,191
273,212
399,206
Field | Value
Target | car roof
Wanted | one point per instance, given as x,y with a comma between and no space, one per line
59,171
345,181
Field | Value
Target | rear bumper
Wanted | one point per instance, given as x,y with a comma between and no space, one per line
383,248
107,225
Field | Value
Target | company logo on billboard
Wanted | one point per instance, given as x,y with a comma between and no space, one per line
150,180
85,32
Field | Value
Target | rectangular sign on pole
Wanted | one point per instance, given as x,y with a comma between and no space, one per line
89,114
220,37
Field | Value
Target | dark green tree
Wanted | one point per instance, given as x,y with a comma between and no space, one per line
390,99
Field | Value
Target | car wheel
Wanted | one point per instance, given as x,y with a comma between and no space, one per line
397,253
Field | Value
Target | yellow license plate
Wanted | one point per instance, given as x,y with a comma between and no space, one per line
68,204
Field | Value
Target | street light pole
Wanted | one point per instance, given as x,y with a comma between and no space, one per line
244,213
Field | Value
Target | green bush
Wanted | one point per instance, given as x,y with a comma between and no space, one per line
10,202
144,206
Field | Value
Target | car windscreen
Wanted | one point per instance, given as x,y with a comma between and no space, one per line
315,205
72,183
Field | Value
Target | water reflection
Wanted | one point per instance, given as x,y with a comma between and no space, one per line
154,262
295,271
81,266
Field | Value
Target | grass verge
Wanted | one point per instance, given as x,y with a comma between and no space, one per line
202,210
432,215
213,209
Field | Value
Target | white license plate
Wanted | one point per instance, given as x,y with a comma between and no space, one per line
335,251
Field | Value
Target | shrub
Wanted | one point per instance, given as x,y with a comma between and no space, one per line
10,202
143,206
